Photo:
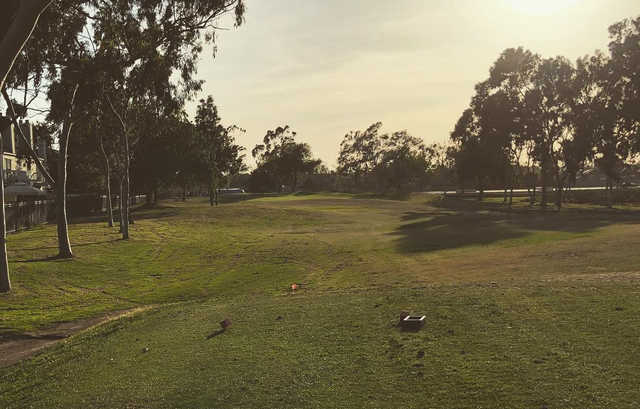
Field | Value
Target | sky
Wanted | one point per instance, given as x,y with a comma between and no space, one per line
326,67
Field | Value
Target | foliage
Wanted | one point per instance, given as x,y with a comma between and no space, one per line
396,162
280,161
218,155
553,117
359,151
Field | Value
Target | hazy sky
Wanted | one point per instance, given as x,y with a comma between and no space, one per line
326,67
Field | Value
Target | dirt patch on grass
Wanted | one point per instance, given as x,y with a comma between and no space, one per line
16,347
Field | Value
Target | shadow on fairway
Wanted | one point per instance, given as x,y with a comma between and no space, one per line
56,257
138,213
461,224
74,244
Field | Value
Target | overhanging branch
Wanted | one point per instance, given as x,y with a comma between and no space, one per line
32,153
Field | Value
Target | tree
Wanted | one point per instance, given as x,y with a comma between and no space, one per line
510,80
64,96
359,152
134,31
142,43
16,26
219,155
620,98
404,162
625,58
281,159
18,22
465,152
548,106
5,280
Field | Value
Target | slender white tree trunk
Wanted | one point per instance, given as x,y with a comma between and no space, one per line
125,193
64,245
5,281
120,206
124,183
107,174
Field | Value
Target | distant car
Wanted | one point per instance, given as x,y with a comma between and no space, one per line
629,185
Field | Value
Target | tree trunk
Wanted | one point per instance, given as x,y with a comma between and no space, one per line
18,34
124,183
120,205
543,175
480,188
125,193
609,192
559,188
107,174
5,281
64,245
514,180
534,190
129,213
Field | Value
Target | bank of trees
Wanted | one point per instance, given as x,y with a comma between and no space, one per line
116,75
395,162
281,161
540,121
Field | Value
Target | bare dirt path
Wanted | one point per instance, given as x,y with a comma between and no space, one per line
16,347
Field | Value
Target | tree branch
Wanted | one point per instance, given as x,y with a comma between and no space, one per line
18,34
32,153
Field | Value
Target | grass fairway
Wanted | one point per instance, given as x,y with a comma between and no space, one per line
525,309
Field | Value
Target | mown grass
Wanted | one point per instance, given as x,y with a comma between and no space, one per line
530,347
525,308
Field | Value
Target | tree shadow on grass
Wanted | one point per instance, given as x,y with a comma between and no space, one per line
397,196
472,204
72,245
43,259
139,213
465,224
56,257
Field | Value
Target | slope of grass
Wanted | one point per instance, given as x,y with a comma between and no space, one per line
525,308
185,251
482,347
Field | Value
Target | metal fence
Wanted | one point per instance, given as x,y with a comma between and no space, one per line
28,213
23,215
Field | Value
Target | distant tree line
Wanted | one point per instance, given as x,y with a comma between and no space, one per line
369,161
539,122
388,163
281,162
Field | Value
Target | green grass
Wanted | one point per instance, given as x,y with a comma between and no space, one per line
525,308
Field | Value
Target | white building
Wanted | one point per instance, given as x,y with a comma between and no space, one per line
18,168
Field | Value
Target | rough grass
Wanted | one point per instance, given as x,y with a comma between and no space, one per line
525,308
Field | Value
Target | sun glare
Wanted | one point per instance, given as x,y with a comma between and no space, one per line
541,7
